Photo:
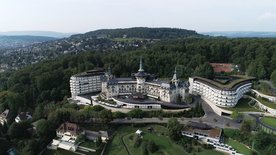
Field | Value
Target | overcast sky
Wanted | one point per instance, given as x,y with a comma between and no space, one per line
87,15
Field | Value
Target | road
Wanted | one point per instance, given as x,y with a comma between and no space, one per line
209,118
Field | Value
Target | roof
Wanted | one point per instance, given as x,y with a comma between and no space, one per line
24,116
66,145
4,114
222,67
235,82
55,142
99,71
138,132
213,132
94,134
72,128
120,80
65,138
141,74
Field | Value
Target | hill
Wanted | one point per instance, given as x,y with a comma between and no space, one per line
37,33
242,34
99,40
143,32
7,42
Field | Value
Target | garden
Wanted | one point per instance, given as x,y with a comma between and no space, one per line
153,140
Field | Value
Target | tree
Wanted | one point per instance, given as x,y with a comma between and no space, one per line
19,130
205,70
252,69
4,145
39,112
235,115
106,115
42,127
136,113
246,127
118,114
97,108
174,129
273,78
263,141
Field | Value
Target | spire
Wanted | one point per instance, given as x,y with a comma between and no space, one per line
141,65
109,69
174,79
174,75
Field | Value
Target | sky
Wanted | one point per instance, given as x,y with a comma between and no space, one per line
87,15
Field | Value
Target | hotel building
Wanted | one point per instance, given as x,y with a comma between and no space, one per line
86,82
222,95
144,83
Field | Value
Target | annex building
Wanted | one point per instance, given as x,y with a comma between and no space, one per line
86,82
224,92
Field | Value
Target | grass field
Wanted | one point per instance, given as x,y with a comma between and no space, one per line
159,136
243,106
267,103
241,148
271,121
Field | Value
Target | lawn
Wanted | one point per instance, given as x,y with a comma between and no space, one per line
241,148
159,136
90,144
267,103
243,106
271,121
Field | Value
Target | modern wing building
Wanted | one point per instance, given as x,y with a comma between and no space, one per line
222,92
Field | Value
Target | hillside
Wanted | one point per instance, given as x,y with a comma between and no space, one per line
100,40
51,34
143,32
7,42
242,34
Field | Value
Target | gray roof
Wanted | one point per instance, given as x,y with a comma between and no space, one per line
93,135
90,73
141,74
117,80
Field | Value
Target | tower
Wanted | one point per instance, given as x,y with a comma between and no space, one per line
140,77
108,74
175,80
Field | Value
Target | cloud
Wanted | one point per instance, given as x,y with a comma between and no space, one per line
267,16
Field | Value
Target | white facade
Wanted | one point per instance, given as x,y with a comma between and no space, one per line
202,136
86,82
23,116
3,117
220,97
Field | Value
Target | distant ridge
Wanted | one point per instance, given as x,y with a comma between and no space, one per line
7,42
241,34
37,33
141,32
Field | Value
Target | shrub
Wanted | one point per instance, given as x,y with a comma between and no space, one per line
137,142
152,147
